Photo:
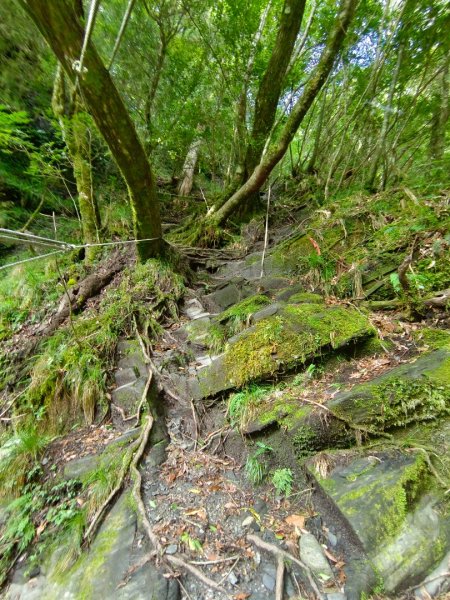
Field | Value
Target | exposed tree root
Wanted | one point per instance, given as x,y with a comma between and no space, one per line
283,555
76,298
279,588
131,463
176,561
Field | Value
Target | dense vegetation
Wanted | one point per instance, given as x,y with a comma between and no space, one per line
135,138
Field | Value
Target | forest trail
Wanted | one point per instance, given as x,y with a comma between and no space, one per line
196,476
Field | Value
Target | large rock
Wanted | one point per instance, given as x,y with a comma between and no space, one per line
106,571
411,393
390,503
282,342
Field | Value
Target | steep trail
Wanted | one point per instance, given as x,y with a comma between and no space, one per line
195,487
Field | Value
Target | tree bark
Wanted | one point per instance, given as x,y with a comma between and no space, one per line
64,32
276,152
272,82
72,121
190,163
440,114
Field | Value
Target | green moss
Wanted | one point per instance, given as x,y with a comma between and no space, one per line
433,338
300,332
441,375
237,316
393,497
306,297
68,377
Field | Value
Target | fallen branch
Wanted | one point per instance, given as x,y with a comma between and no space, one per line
279,553
439,300
179,562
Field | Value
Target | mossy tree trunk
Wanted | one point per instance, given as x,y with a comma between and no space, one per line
64,32
72,119
277,150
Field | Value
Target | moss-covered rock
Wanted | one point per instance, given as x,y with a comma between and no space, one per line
282,342
106,570
387,499
410,393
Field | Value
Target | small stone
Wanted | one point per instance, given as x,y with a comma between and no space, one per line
172,549
45,461
247,522
232,578
311,553
269,582
336,596
332,538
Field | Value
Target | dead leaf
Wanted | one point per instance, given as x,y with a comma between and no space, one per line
242,596
197,512
296,521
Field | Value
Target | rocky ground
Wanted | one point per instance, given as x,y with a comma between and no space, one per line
356,406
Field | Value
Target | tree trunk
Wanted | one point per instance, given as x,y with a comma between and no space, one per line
381,144
60,26
272,82
276,152
190,163
150,100
75,131
440,114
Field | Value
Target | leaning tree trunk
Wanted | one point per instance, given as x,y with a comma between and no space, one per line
64,32
190,163
72,120
267,97
276,152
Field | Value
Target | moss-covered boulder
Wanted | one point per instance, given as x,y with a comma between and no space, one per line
389,502
411,393
110,569
283,342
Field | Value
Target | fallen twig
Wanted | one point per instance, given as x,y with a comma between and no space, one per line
179,562
278,552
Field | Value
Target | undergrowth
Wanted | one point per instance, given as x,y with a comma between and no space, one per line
69,375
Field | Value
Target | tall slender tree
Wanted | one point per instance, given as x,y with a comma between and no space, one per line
64,31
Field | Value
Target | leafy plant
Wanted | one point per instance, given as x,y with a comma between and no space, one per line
241,404
192,543
282,479
255,468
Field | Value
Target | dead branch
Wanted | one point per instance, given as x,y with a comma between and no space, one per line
439,300
279,553
179,562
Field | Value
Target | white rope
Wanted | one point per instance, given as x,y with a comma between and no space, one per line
66,247
31,236
123,26
77,66
21,262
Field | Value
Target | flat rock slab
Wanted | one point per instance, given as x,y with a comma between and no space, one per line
413,392
281,342
311,553
385,499
104,572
